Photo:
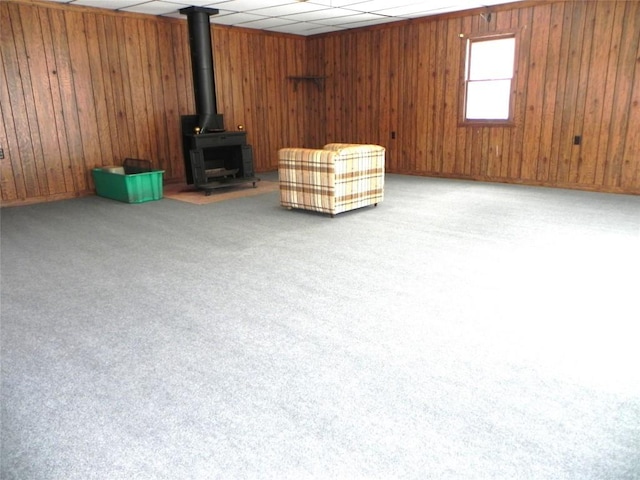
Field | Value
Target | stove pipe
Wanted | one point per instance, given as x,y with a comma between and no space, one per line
202,64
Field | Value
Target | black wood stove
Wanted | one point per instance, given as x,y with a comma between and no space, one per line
213,157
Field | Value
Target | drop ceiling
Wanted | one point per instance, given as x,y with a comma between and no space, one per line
293,16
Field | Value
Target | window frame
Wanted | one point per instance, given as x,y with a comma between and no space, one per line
466,49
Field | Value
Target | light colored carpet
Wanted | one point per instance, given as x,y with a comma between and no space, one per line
459,330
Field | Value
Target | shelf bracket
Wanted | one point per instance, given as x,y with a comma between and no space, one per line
316,80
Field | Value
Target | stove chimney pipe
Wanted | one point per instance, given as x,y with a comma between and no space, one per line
202,62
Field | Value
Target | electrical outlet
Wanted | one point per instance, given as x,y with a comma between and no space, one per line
1,153
577,140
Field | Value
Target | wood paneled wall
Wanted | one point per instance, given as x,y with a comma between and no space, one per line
82,88
578,73
252,89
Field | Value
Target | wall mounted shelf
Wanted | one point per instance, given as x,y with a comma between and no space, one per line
317,80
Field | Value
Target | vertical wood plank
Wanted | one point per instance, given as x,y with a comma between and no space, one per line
25,107
534,98
610,93
137,90
8,191
117,104
393,153
222,73
440,85
159,133
374,100
248,94
423,79
294,100
549,94
559,120
406,102
523,20
630,167
384,94
450,94
68,112
84,99
432,97
149,65
37,49
60,159
111,156
315,61
235,72
104,155
570,100
174,165
182,65
601,32
581,98
12,185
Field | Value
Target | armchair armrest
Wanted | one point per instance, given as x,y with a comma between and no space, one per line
353,147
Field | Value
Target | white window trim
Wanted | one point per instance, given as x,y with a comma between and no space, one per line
510,121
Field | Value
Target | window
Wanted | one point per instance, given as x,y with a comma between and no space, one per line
488,78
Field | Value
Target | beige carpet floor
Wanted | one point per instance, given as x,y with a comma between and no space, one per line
189,194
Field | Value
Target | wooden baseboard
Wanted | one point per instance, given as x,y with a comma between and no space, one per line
43,199
534,183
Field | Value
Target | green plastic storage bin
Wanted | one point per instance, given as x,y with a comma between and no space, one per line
111,182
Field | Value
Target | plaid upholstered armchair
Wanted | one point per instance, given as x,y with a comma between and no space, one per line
337,178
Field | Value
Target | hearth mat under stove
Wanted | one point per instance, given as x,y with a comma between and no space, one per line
189,193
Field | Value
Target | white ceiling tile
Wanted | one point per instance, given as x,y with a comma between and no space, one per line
174,15
155,7
368,23
373,5
324,14
485,3
109,4
267,23
424,8
235,18
356,17
431,12
290,9
323,29
245,5
301,28
336,3
193,3
291,16
405,10
221,13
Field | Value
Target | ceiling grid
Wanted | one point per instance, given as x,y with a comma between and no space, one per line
297,17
